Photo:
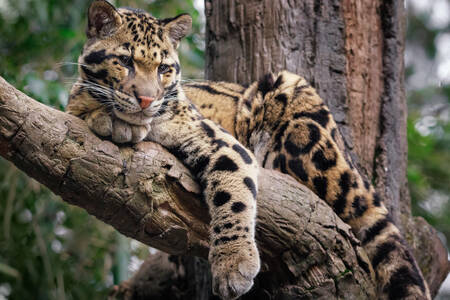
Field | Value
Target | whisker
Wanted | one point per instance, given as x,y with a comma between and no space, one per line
171,95
192,80
95,89
69,63
92,85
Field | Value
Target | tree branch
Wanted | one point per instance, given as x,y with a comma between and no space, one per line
146,194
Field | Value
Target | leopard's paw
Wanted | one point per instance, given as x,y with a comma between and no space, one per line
139,132
124,132
100,122
105,125
233,270
121,132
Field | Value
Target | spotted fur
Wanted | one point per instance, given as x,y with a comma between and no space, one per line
285,123
129,69
281,119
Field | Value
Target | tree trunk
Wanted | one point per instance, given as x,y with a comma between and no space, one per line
351,51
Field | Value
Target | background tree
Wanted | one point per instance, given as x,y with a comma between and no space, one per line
28,61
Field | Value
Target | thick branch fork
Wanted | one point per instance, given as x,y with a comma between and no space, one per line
148,195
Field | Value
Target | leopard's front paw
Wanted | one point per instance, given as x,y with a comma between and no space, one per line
139,132
100,122
233,269
124,132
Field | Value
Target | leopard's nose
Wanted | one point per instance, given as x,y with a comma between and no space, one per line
145,101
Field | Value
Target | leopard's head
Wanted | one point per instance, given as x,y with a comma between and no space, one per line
129,62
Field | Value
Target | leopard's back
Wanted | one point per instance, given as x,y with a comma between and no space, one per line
286,124
217,101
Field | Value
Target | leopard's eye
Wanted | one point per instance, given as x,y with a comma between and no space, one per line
163,68
125,60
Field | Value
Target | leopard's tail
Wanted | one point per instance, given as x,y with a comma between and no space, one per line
305,145
397,273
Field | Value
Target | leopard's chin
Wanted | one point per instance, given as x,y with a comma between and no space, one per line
138,118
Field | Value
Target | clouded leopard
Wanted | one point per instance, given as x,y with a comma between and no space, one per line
129,89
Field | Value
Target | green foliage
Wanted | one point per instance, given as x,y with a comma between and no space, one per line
48,249
428,121
429,175
417,27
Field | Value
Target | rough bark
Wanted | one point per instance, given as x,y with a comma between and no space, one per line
146,194
351,51
163,276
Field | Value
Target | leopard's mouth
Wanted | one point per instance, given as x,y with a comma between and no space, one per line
137,118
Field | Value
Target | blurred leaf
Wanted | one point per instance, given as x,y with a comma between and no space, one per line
51,250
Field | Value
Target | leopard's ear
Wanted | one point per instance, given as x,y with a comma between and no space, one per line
178,27
103,19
